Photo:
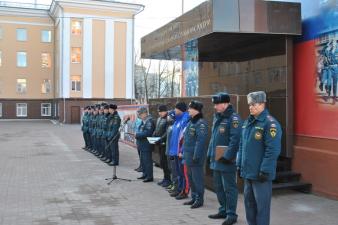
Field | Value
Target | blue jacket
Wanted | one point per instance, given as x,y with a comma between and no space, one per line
226,131
145,130
260,146
195,141
181,122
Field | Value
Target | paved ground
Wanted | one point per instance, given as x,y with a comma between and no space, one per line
46,179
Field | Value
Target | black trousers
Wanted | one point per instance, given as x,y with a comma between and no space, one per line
164,162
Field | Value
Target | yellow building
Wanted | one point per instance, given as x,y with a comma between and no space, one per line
56,59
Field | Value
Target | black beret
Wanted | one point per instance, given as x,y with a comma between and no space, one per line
221,98
162,108
197,105
181,106
113,106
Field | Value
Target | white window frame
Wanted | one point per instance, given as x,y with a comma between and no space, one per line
72,53
80,27
49,32
44,86
49,108
25,34
17,59
17,86
49,58
77,85
0,109
21,114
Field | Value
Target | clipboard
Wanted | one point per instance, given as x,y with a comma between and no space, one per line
220,150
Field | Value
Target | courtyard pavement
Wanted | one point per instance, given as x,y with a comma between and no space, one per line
47,179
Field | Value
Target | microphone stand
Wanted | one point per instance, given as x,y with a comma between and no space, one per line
114,177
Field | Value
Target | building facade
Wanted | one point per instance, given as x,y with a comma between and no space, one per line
56,59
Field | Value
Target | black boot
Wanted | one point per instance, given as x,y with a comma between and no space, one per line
189,202
229,221
217,216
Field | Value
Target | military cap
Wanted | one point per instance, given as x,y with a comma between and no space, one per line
162,108
181,106
97,106
197,105
112,106
221,97
106,107
142,110
256,97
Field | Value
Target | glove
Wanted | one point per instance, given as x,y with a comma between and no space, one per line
262,177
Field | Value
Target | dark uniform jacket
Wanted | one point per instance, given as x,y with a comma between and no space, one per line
226,131
114,123
145,130
195,141
85,122
260,146
161,129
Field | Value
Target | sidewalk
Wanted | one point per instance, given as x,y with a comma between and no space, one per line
46,179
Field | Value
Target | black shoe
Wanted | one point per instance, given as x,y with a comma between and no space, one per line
181,196
197,204
217,216
113,164
160,182
104,159
229,221
108,161
148,180
189,202
142,178
84,148
174,194
139,170
136,169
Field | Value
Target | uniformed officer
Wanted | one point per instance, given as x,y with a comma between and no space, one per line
194,150
146,130
161,131
90,127
84,127
99,131
259,149
104,127
113,136
94,129
226,131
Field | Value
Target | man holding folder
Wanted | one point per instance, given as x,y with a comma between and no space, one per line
222,151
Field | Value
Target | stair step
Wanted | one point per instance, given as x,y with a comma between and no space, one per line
287,176
299,186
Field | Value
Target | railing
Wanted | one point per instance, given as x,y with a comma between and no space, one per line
24,5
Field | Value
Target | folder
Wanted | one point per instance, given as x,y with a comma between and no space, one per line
220,150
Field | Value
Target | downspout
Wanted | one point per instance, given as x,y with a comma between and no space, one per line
61,69
54,64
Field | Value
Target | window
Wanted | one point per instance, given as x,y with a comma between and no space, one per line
0,58
76,83
0,109
21,86
21,34
46,60
21,59
76,55
46,109
46,86
21,109
46,36
1,33
76,27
